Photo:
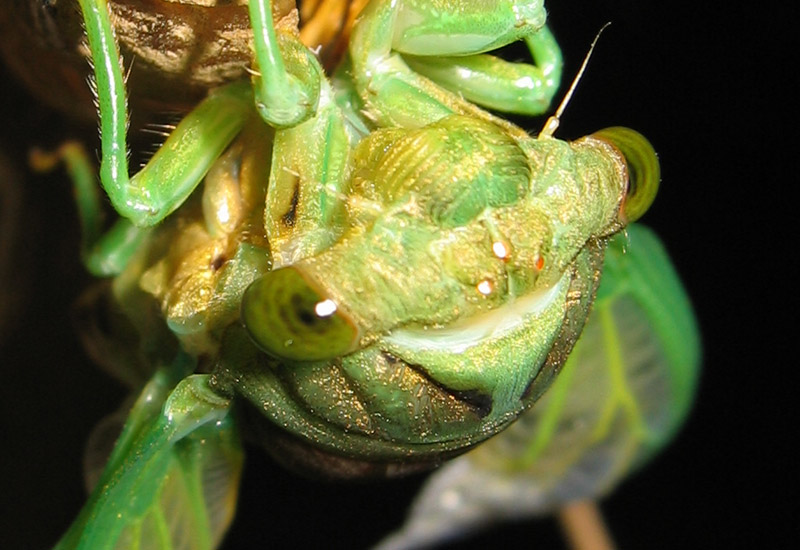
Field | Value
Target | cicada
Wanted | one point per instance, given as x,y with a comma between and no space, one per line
354,263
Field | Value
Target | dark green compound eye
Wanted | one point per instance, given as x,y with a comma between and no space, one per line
288,319
644,172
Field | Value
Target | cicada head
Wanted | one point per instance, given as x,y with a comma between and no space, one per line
411,338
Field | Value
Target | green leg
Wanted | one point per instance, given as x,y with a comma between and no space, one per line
393,94
287,78
397,95
176,169
311,146
104,255
149,404
489,81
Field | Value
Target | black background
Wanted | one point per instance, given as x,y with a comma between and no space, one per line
707,83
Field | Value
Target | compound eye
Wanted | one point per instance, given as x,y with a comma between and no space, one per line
288,319
644,172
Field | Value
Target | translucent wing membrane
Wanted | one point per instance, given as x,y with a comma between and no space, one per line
172,480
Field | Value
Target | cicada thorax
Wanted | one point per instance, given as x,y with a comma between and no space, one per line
453,296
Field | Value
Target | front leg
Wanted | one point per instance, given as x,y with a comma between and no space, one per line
304,210
304,203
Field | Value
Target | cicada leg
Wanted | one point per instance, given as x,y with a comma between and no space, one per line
395,43
104,255
305,201
487,80
311,146
287,76
179,165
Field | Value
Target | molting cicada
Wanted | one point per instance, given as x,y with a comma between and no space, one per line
353,262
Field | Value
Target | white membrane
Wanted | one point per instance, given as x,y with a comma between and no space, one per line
464,334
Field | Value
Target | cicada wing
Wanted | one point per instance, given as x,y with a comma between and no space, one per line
171,482
101,442
194,504
622,394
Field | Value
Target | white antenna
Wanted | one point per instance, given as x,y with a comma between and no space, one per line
552,123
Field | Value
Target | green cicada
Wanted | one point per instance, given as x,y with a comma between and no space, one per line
359,267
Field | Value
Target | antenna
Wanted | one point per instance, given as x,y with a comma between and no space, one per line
552,123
